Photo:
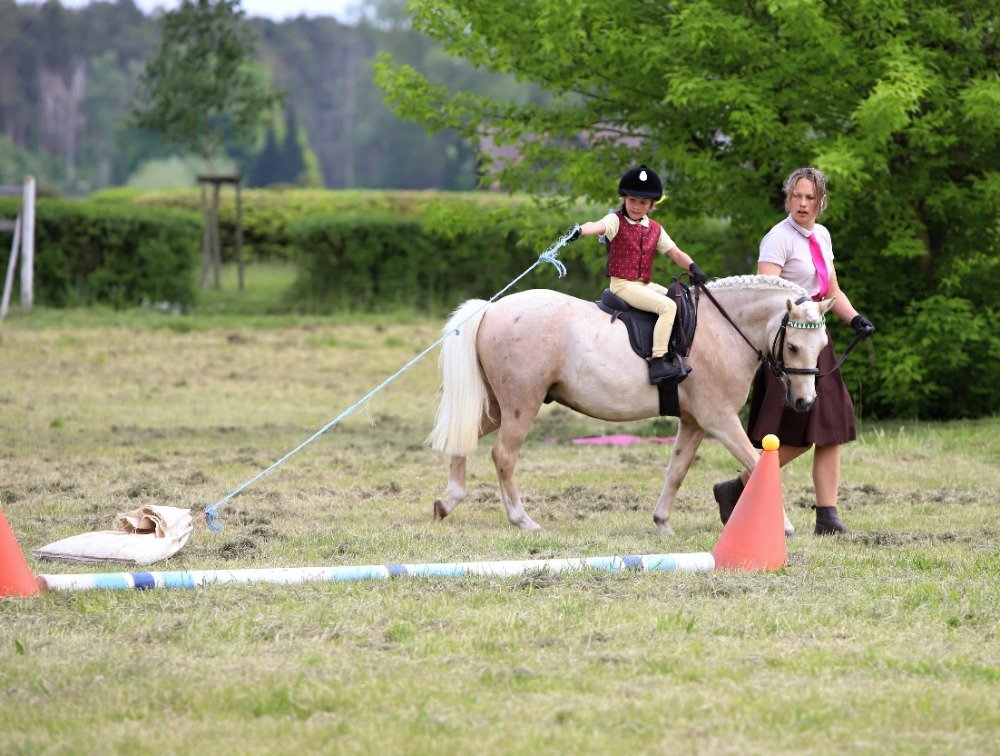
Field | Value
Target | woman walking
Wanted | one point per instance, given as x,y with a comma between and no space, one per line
800,250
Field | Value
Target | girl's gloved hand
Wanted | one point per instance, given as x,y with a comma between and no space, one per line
697,275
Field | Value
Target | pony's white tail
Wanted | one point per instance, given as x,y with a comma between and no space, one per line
464,394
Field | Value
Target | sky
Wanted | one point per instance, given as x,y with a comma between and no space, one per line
276,10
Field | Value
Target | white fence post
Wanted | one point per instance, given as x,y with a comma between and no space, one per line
23,246
28,245
8,284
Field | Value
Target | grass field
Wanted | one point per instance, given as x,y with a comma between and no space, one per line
883,640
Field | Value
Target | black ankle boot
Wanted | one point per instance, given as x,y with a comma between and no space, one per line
662,370
726,495
828,521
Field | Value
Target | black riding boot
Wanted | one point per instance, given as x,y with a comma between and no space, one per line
661,369
727,494
828,521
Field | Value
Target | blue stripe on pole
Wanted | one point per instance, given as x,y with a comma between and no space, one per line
117,581
177,579
661,562
397,570
632,562
143,580
369,572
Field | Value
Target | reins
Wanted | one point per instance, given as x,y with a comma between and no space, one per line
774,361
858,338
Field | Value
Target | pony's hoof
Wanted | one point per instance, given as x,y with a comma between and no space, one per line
664,526
528,524
439,511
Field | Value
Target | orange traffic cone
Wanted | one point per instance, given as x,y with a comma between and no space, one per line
15,577
754,537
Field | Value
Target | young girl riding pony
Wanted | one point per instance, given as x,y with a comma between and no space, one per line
633,239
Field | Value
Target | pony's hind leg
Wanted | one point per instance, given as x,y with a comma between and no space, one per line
454,492
689,438
513,430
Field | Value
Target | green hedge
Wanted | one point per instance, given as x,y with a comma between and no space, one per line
120,256
377,261
268,214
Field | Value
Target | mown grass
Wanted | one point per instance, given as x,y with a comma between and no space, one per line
886,639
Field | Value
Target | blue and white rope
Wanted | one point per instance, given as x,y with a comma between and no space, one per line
550,256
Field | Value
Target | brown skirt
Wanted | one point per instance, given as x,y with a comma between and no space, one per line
829,422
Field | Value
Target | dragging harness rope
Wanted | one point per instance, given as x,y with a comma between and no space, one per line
550,256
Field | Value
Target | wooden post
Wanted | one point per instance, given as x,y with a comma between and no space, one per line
239,233
216,242
212,243
206,255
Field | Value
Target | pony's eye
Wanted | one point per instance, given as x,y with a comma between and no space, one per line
793,349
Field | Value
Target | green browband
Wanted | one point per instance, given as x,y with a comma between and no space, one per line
801,324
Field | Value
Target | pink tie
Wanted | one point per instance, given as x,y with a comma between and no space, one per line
821,270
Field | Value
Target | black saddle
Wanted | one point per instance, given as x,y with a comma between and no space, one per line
639,323
639,326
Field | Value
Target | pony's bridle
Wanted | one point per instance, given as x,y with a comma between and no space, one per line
775,361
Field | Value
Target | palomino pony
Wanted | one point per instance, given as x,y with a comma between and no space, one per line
509,356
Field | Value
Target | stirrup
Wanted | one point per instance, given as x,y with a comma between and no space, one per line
662,370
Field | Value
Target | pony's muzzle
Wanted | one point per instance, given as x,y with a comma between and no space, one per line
801,404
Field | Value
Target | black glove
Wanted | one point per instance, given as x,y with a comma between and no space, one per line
862,326
697,276
574,233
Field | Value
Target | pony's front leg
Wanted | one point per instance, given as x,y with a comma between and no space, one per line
689,438
454,492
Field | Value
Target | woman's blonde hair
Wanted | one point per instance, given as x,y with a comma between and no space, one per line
813,174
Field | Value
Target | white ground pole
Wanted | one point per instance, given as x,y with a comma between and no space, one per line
693,562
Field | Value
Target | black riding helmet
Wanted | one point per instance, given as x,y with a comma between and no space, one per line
641,182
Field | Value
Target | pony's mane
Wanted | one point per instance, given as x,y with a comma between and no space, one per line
756,282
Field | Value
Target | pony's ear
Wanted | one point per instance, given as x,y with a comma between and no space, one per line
793,309
824,307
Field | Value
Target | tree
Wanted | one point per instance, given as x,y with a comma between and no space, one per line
200,89
267,167
896,102
293,163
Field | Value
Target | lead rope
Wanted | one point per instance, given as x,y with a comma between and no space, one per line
550,256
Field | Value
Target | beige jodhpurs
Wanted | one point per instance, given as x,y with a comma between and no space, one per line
650,297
